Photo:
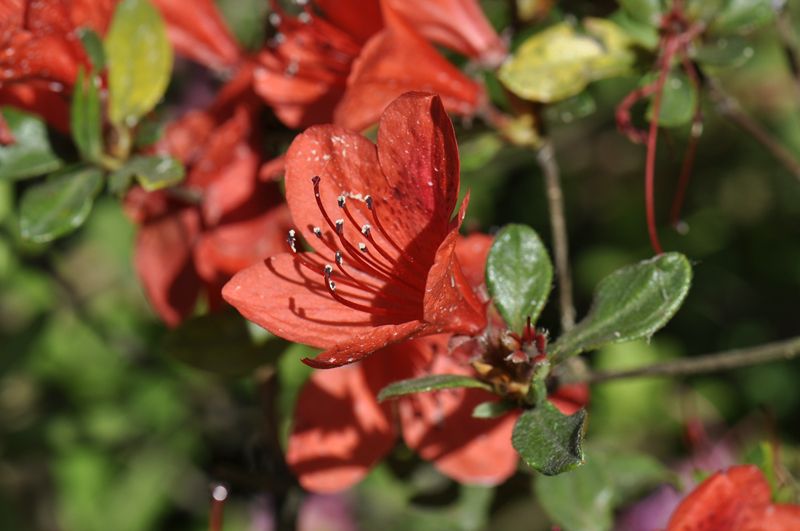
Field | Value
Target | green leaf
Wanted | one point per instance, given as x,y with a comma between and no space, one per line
549,441
30,155
139,61
631,303
558,63
584,499
490,410
645,35
678,101
425,384
730,51
152,172
571,109
580,500
219,343
518,274
93,45
85,119
58,205
643,11
742,16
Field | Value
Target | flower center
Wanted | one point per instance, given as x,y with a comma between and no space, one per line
380,289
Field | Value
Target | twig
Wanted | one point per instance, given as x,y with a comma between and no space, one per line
719,361
218,496
730,109
783,23
558,225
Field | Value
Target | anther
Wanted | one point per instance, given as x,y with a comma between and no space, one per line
292,240
339,226
317,232
328,271
365,230
362,247
341,201
338,257
368,201
332,285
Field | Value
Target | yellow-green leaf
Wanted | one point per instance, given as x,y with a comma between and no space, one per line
559,62
139,60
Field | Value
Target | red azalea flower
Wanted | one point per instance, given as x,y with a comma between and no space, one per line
42,51
185,246
738,499
456,24
198,32
379,219
364,62
334,447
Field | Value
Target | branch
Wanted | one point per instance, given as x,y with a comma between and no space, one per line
719,361
728,107
545,156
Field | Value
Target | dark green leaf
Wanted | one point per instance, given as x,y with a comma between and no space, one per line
219,343
30,155
571,109
581,500
518,274
139,59
93,45
678,101
584,499
730,51
58,205
153,173
549,441
742,16
85,119
490,410
425,384
247,19
631,303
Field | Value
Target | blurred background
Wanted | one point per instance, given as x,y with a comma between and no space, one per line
103,424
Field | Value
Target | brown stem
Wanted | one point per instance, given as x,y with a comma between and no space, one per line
718,361
546,158
728,107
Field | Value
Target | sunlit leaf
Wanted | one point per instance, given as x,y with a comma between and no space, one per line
558,62
742,16
139,61
152,172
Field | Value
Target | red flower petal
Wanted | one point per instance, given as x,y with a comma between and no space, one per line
472,252
359,18
292,301
736,500
340,431
93,14
395,61
39,99
440,427
570,398
164,263
457,24
199,32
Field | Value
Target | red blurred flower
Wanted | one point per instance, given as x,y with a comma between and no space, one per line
346,66
223,219
457,24
738,499
42,51
385,270
198,32
333,447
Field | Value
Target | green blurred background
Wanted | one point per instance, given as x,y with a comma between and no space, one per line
104,427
